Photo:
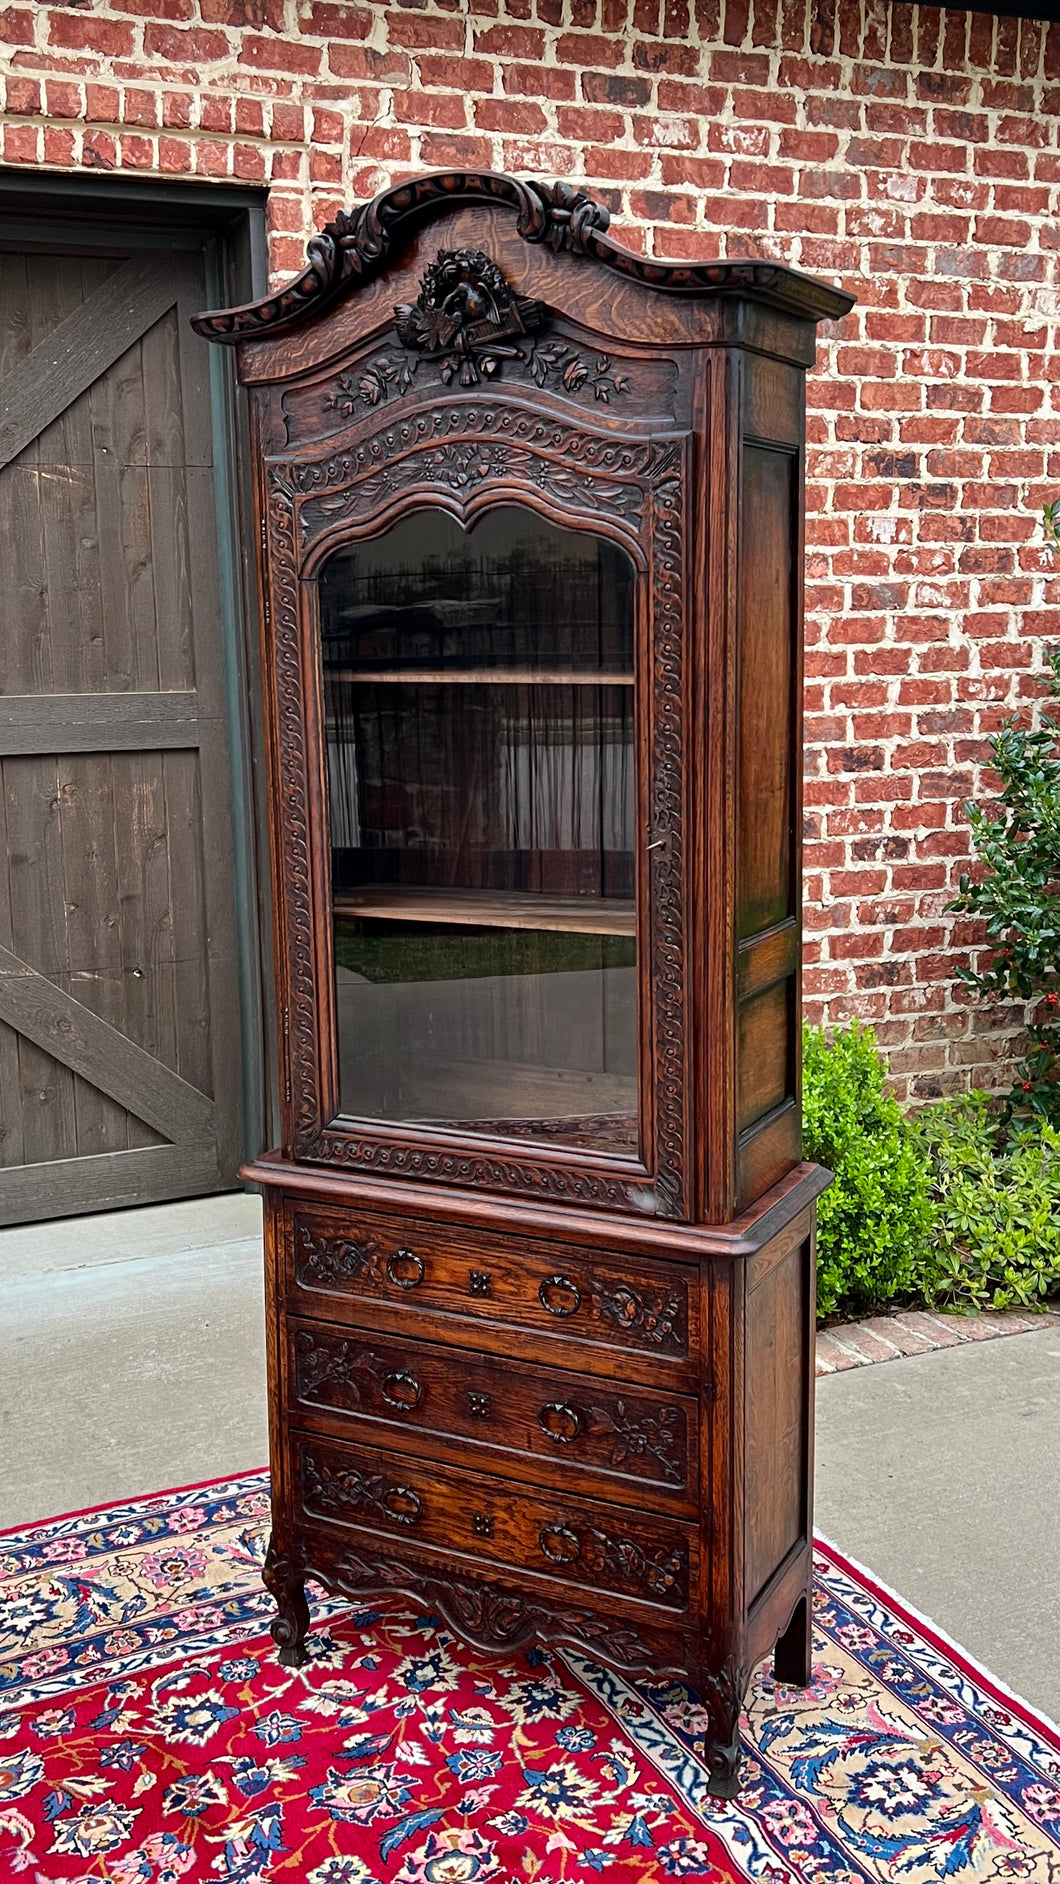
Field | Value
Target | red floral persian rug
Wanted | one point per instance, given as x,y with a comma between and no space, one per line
148,1735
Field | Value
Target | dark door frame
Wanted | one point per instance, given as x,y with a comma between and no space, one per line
229,226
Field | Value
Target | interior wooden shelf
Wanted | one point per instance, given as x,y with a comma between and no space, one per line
478,677
490,909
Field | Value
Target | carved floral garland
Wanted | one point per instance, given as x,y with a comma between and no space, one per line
378,380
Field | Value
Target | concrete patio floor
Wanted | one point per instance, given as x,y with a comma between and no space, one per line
132,1359
132,1354
939,1473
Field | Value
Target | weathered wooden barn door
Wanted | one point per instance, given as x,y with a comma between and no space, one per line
120,1074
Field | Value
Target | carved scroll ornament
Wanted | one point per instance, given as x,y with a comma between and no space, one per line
495,1616
354,246
491,1615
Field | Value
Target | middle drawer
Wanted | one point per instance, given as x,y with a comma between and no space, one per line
554,1420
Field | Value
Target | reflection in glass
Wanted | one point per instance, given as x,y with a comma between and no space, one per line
479,707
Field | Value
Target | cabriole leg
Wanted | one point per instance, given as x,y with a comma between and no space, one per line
723,1757
722,1695
290,1625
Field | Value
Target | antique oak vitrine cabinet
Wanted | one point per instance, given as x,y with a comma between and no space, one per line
539,1241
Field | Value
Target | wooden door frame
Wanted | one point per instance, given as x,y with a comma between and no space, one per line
229,225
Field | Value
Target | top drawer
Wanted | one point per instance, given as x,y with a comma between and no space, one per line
556,1290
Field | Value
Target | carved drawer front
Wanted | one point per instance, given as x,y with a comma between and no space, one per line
564,1421
550,1290
597,1546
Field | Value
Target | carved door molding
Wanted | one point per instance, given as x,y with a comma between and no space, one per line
467,456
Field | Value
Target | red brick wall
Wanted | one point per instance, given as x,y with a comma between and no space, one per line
910,152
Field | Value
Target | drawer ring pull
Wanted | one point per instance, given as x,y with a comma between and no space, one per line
403,1391
405,1269
561,1423
402,1504
559,1285
559,1543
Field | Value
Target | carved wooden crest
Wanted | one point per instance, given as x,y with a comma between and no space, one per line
467,317
357,244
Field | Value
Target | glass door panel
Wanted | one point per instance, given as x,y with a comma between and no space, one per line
479,707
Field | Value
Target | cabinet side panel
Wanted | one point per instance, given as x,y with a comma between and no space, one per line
773,401
776,1436
767,887
766,665
764,1045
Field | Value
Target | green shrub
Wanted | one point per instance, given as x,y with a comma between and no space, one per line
873,1224
996,1197
1017,839
955,1206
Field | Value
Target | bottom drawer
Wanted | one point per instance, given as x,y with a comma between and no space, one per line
598,1547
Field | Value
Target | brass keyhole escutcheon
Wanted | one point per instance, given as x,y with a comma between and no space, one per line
560,1422
402,1503
559,1295
559,1543
402,1390
405,1269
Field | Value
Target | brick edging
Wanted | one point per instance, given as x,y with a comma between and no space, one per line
914,1331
